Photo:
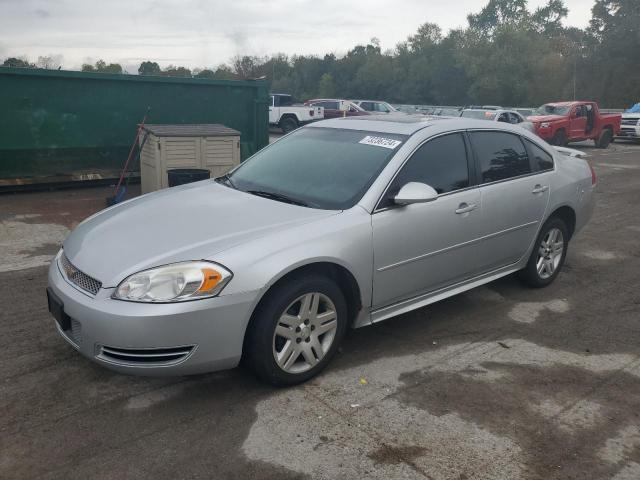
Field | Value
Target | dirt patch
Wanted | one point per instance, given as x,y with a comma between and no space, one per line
391,455
550,447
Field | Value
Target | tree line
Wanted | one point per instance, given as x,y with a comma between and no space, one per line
507,54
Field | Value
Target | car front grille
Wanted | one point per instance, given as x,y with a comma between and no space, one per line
79,278
630,121
146,356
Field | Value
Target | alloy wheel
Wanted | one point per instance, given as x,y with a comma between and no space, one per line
550,253
305,332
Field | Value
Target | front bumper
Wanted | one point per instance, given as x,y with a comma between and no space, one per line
154,339
629,131
544,133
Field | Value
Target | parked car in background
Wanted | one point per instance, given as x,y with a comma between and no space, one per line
525,112
504,116
445,112
335,108
484,107
284,114
342,223
560,123
376,106
630,124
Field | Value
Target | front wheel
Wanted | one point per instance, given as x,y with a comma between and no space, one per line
606,137
559,138
547,257
296,330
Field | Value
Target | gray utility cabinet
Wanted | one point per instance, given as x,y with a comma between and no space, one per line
208,146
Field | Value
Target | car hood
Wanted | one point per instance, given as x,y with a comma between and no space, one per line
544,118
191,222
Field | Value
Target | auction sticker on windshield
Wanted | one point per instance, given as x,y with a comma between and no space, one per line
380,142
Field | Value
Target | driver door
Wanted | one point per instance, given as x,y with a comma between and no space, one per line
578,122
422,247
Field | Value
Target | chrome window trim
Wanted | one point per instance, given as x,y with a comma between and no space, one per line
521,137
409,155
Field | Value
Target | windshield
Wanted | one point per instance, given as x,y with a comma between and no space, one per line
323,168
549,109
480,114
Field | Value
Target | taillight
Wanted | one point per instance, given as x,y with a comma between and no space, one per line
594,178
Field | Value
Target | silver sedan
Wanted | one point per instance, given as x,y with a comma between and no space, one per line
342,223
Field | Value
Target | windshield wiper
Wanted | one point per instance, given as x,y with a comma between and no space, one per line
226,179
278,197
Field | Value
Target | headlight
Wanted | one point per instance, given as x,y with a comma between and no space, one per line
174,283
545,125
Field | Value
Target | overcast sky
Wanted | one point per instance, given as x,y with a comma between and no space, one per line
201,33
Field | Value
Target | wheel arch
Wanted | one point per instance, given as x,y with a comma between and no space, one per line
343,277
291,115
568,215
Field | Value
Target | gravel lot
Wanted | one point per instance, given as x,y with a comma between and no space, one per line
502,382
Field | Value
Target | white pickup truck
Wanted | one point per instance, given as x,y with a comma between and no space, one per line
287,116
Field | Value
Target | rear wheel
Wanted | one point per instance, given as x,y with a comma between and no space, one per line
606,137
547,257
296,330
559,138
288,124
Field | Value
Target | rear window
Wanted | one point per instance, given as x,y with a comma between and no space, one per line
501,155
541,159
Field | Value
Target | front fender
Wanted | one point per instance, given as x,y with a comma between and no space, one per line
344,239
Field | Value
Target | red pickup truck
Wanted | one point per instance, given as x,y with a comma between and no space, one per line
563,122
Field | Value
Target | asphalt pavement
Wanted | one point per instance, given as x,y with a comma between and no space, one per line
502,382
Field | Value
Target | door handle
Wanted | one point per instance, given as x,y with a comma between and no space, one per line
540,188
465,208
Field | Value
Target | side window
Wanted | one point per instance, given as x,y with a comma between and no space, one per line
515,118
541,159
501,155
504,117
368,106
331,105
440,163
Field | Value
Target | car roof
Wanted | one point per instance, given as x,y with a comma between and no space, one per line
409,124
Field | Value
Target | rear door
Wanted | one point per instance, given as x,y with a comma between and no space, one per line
423,247
514,197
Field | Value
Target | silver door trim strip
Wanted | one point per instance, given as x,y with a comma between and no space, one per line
453,247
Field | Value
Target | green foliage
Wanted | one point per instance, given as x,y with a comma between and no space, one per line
149,68
102,67
18,63
173,71
507,55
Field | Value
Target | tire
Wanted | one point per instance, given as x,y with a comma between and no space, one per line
559,138
288,124
606,137
264,344
537,277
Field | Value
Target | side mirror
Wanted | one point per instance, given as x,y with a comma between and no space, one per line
415,192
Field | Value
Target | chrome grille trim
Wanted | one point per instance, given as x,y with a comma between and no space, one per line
145,356
79,278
